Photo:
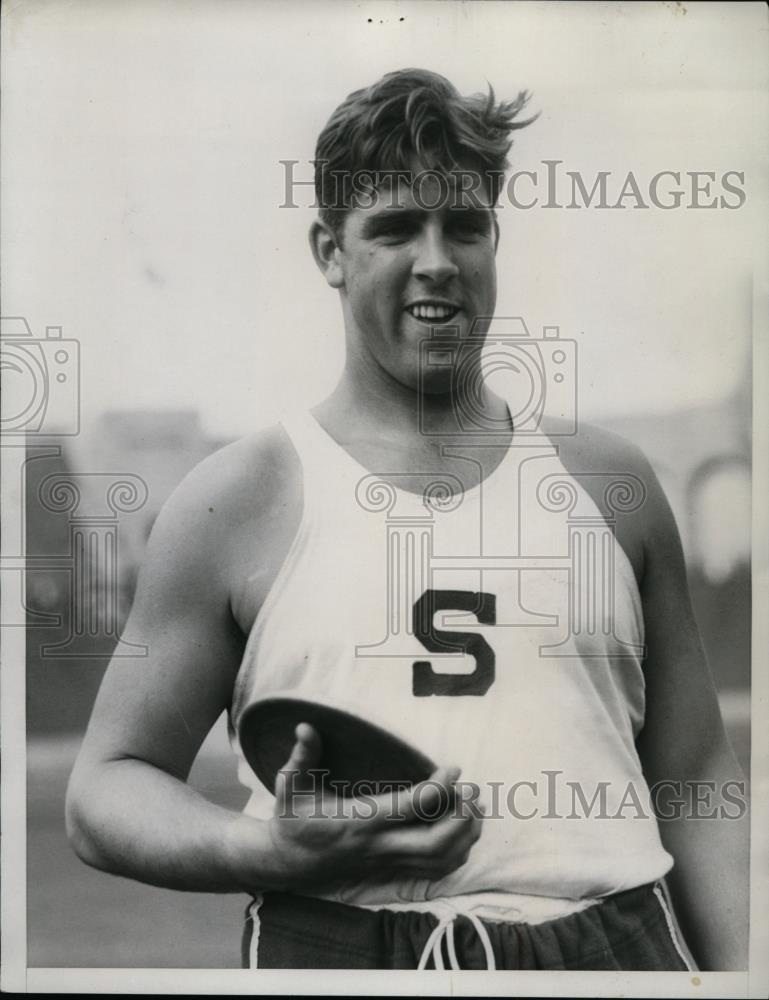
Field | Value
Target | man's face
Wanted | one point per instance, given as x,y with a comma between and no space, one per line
407,269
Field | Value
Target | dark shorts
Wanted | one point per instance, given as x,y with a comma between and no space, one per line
630,931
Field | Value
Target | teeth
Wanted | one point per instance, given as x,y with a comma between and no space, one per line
425,311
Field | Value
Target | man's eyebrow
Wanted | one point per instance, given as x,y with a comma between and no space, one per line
373,224
389,214
472,212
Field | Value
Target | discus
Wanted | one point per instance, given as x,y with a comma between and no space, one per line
355,751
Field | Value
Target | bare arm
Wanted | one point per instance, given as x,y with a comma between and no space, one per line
129,810
683,742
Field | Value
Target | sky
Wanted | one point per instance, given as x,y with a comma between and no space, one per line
142,187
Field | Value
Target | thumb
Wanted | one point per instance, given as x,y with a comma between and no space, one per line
431,799
295,775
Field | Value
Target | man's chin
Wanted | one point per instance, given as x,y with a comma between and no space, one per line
436,384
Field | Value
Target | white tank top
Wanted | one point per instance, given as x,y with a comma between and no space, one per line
541,704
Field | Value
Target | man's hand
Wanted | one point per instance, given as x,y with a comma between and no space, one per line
320,839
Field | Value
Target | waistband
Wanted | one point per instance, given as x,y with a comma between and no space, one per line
572,941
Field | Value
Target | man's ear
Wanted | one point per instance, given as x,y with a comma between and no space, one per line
326,253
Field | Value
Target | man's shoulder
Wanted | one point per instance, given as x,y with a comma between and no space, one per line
236,510
595,453
594,448
237,483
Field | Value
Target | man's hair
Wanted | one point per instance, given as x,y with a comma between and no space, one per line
412,115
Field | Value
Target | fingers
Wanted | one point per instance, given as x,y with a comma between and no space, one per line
374,834
307,749
432,851
294,776
425,840
425,801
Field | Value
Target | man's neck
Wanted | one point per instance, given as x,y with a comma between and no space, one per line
403,415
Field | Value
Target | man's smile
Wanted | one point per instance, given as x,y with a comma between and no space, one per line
433,311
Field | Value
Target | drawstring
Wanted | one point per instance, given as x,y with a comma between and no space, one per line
444,930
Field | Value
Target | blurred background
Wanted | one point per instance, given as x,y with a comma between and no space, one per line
142,194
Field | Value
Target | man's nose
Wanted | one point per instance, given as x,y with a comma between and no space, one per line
433,260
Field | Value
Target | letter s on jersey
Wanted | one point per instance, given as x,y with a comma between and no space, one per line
425,680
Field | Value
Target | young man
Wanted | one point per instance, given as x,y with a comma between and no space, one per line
276,568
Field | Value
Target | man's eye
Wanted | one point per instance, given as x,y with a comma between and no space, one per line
469,228
395,230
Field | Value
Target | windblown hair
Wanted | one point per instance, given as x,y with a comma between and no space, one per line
412,115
